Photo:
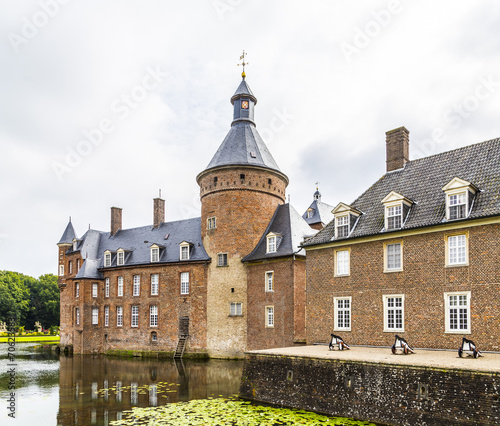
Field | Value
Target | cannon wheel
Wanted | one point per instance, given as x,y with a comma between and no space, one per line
341,346
393,349
460,352
475,353
405,350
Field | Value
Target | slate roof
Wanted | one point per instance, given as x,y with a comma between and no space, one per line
243,89
422,181
288,223
137,243
68,235
322,213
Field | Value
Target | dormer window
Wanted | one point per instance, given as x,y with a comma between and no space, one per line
75,244
397,208
155,254
184,250
345,218
459,198
272,243
107,259
120,257
310,213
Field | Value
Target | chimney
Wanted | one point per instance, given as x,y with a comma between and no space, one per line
158,212
397,148
116,220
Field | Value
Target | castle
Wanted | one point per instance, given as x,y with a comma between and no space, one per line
220,284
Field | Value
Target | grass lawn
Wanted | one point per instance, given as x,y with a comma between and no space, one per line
32,339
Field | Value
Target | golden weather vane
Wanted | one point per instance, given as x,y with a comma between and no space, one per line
317,185
243,63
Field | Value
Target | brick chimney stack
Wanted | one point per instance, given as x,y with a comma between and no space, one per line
397,148
158,212
116,220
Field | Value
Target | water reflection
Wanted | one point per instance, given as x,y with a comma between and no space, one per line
97,389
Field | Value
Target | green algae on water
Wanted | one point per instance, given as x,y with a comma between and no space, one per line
227,412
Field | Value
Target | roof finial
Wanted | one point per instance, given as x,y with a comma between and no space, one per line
317,186
243,63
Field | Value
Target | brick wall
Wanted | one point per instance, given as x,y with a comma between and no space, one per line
386,394
423,282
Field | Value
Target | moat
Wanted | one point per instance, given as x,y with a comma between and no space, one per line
64,390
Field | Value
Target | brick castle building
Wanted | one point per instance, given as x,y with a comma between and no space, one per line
417,254
217,285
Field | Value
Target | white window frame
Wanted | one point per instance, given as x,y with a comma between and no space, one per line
387,256
134,316
70,267
387,298
269,310
107,259
77,316
392,212
341,222
457,200
269,281
136,286
61,270
155,254
211,223
119,316
153,316
342,266
452,246
95,316
95,289
106,316
236,309
184,282
77,289
272,243
120,257
222,259
448,314
77,265
310,213
344,311
184,251
106,288
155,284
119,290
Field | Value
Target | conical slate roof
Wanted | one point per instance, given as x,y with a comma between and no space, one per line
243,90
68,235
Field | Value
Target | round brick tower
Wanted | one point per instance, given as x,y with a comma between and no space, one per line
239,190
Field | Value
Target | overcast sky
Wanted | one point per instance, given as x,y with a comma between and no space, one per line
104,103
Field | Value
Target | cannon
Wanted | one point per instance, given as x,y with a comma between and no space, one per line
337,342
468,348
401,345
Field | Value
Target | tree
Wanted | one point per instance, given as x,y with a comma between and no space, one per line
14,296
44,302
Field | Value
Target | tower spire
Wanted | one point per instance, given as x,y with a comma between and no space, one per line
243,63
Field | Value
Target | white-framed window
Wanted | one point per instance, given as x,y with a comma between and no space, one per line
184,254
271,244
236,309
70,267
457,206
342,312
394,216
120,257
136,286
153,316
77,316
310,213
269,281
342,266
75,244
61,270
393,312
77,265
393,257
155,254
269,316
95,288
457,315
106,288
342,226
184,282
119,316
457,253
134,318
77,289
119,290
211,223
106,316
107,259
222,259
155,279
95,316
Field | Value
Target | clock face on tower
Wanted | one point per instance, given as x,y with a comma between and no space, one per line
244,104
